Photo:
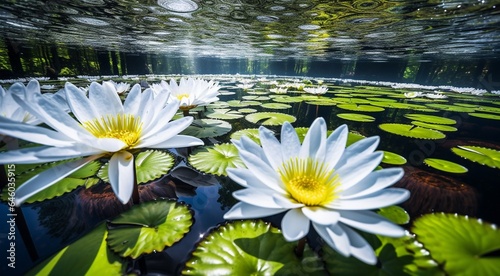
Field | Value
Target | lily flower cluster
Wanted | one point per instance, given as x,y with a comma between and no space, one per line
99,125
320,90
319,183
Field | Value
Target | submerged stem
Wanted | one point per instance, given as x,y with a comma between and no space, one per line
135,192
299,250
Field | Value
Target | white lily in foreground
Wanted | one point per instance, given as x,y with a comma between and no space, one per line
192,92
10,109
103,127
319,181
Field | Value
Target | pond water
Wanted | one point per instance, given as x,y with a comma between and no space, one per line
422,75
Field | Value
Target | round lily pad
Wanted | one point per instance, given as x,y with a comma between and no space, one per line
393,158
148,227
361,107
353,137
270,118
250,248
224,114
252,133
216,159
435,126
276,105
483,156
204,128
461,245
485,115
256,98
149,165
322,102
444,165
288,99
247,110
395,213
402,106
237,103
412,131
449,107
356,117
431,119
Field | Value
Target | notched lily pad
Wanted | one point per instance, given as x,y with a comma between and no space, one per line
207,128
431,119
252,133
412,131
216,159
393,158
361,107
224,114
270,118
483,156
356,117
250,248
462,245
435,126
445,166
276,106
148,227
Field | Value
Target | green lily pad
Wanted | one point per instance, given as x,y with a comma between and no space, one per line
490,109
148,227
395,214
356,117
444,165
461,245
256,98
393,158
204,128
224,114
97,259
353,137
435,126
250,248
483,156
322,102
449,107
412,131
218,104
485,115
149,165
350,101
361,107
287,99
247,110
252,133
403,106
431,119
215,159
276,105
86,176
237,103
270,118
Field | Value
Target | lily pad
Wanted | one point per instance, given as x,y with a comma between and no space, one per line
250,248
461,245
361,107
485,115
449,107
252,133
270,118
412,131
204,128
322,102
288,99
435,126
216,159
237,103
149,165
247,110
148,227
356,117
97,260
483,156
224,114
353,137
393,158
256,98
431,119
395,214
444,165
276,105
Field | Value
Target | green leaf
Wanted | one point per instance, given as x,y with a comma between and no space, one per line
276,105
395,213
256,98
250,248
237,103
356,117
252,133
444,165
224,114
87,256
287,99
412,131
434,126
247,110
361,107
431,119
148,227
483,156
216,159
485,115
393,158
462,245
204,128
270,118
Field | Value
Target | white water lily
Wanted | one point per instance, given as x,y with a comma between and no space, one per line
11,110
413,94
320,90
120,87
104,126
319,182
192,92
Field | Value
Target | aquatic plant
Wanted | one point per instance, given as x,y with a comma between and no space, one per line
319,90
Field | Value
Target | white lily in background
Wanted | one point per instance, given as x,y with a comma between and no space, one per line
435,96
192,92
104,126
319,182
120,87
320,90
411,95
279,90
13,111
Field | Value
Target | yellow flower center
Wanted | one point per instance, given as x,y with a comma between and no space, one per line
182,96
309,181
125,127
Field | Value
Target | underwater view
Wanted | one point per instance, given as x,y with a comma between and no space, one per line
286,137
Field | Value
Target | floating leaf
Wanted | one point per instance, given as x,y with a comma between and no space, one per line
483,156
350,101
237,103
224,114
449,107
252,133
353,137
287,99
276,105
434,126
250,248
247,110
485,115
148,227
402,106
207,128
444,165
322,102
431,119
361,107
393,158
270,118
149,165
412,131
395,214
462,245
356,117
216,159
256,98
87,256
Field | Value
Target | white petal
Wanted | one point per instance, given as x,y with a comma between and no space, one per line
375,181
179,141
133,100
49,177
284,201
335,237
106,144
380,199
289,141
294,225
321,215
28,156
79,104
121,175
314,142
242,210
371,222
357,150
245,178
67,152
248,145
263,171
335,146
359,247
105,99
352,173
40,135
169,131
162,118
260,198
271,147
